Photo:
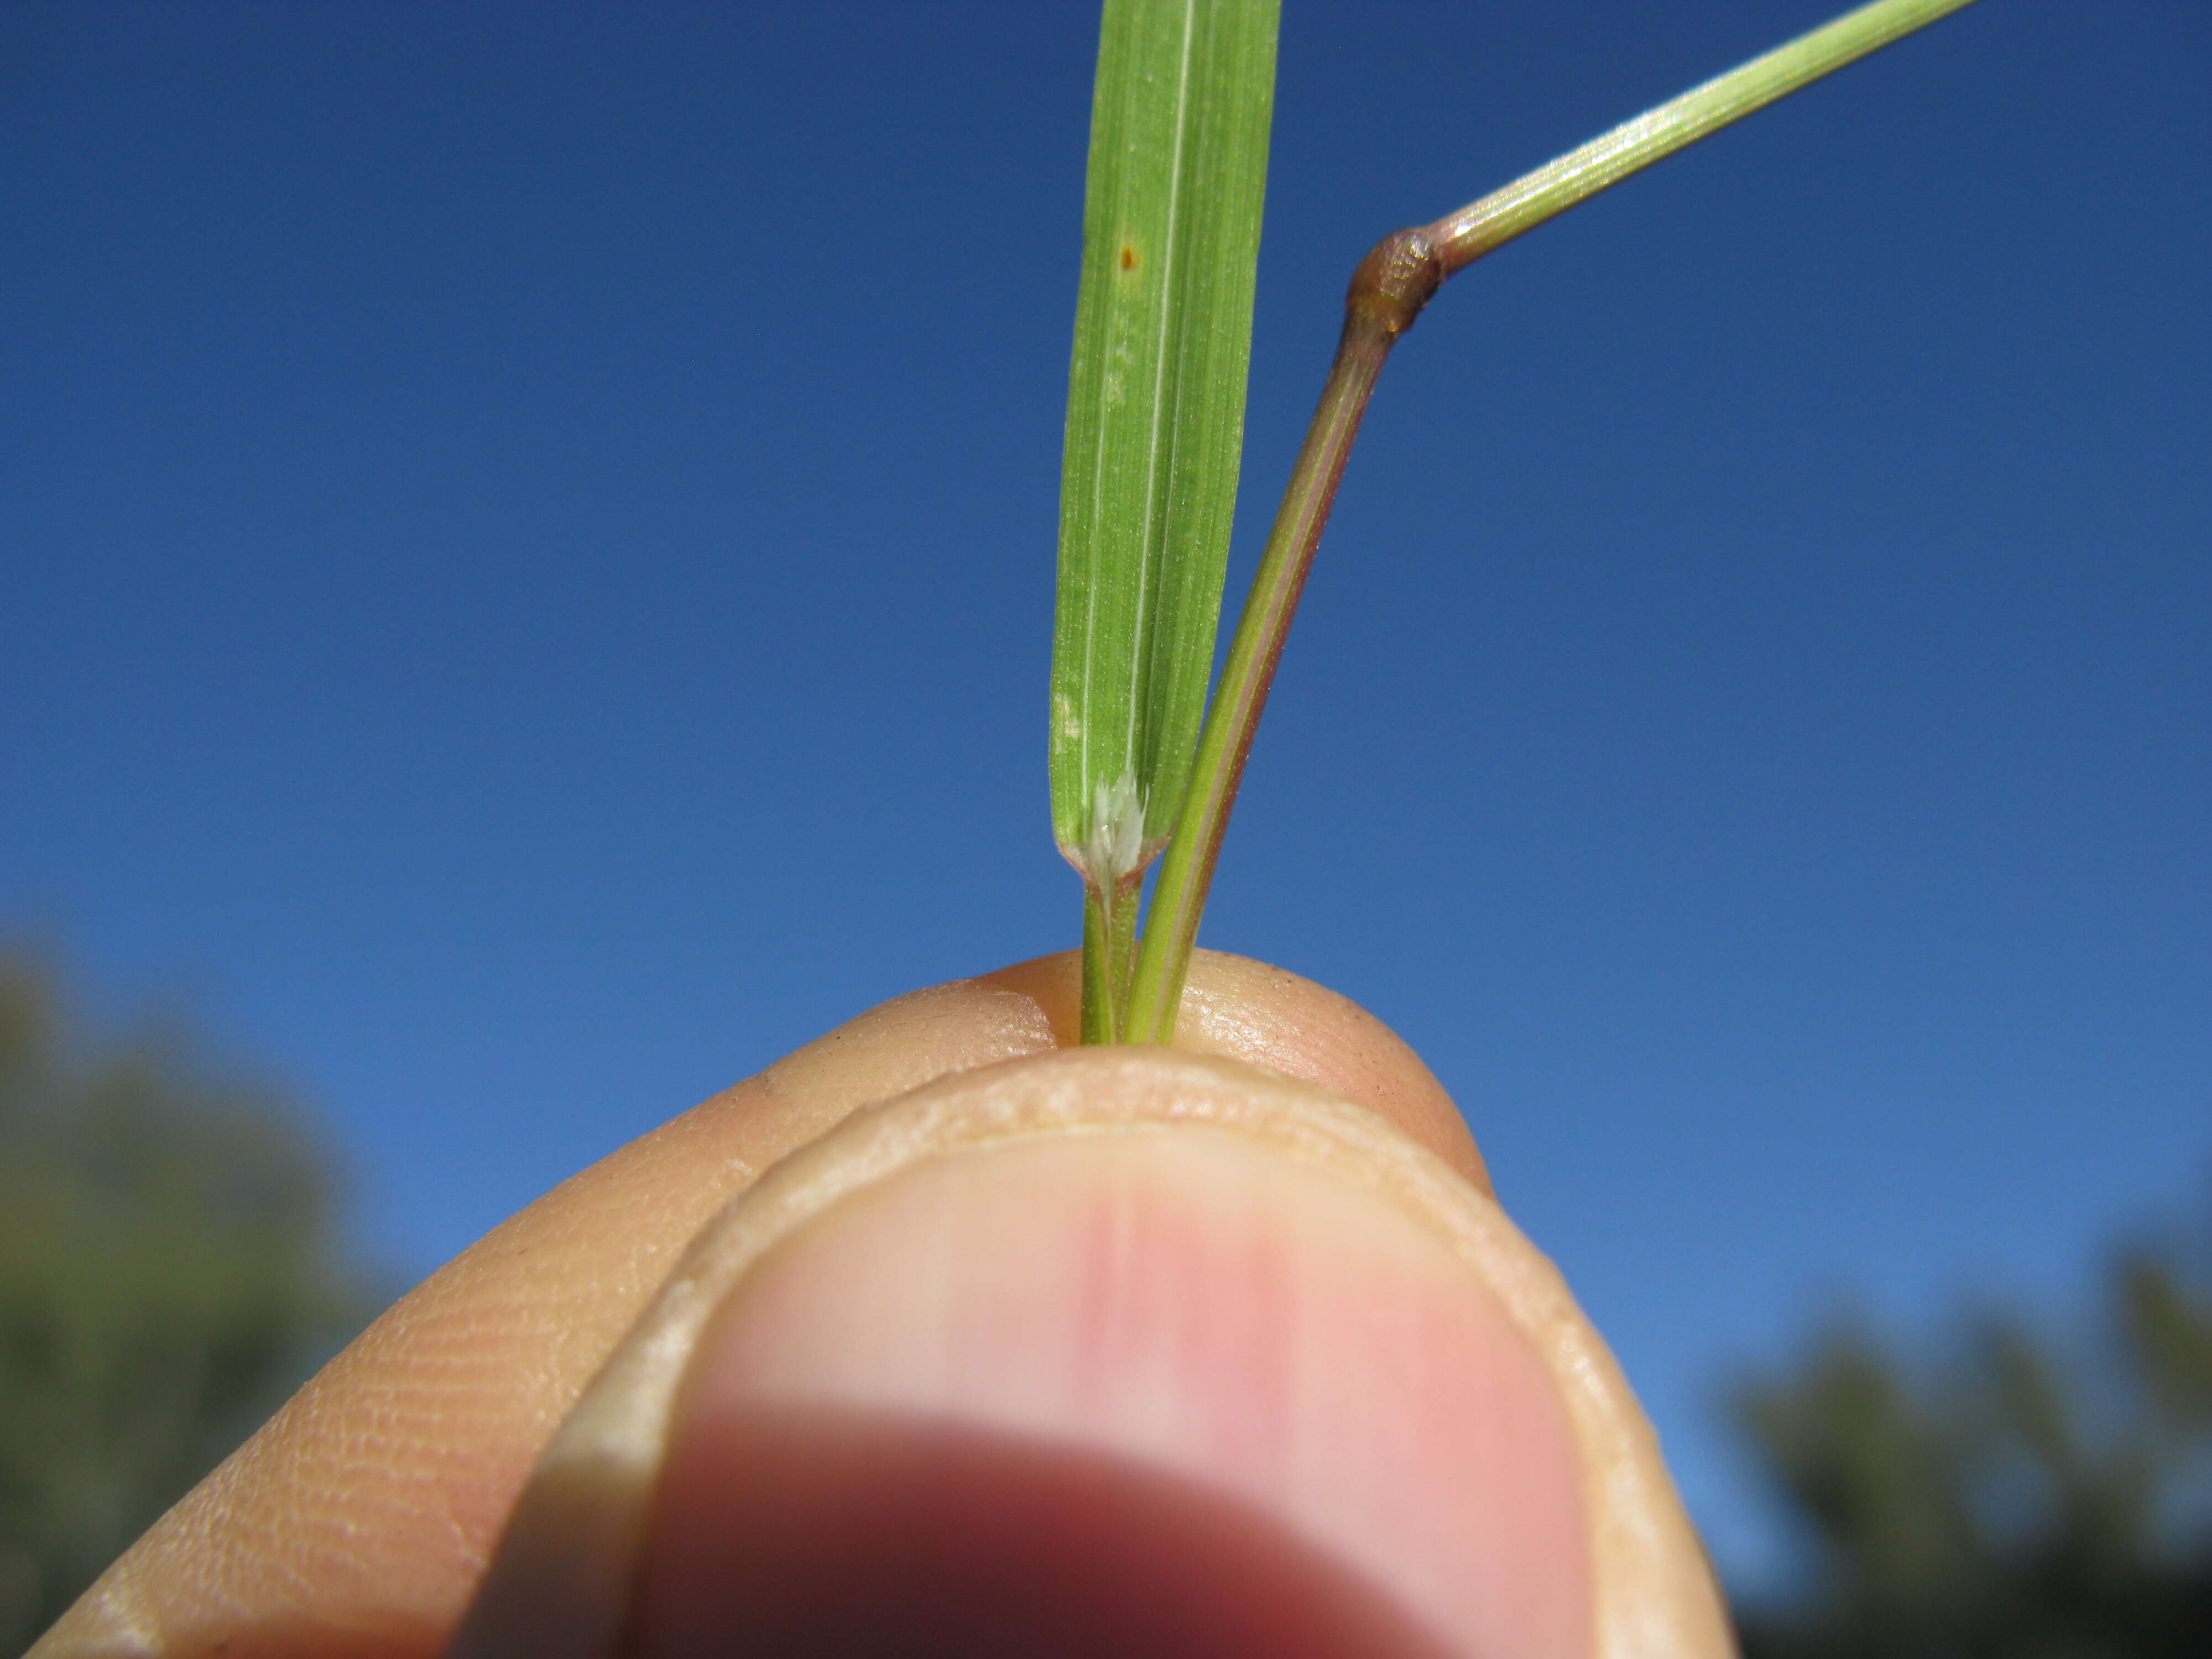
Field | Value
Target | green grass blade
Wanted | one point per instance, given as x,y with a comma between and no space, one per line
1155,413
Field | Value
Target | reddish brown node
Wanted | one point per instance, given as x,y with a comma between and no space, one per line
1395,280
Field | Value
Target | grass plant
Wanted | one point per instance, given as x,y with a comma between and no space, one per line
1171,226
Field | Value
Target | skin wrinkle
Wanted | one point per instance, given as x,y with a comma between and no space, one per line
1245,1010
372,1500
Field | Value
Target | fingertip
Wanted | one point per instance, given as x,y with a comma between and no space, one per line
1168,1390
1244,1010
1283,1308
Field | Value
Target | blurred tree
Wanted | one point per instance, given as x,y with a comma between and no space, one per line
2015,1504
168,1274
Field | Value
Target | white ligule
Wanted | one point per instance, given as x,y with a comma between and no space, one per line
1113,845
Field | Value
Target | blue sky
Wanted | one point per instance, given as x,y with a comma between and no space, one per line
527,536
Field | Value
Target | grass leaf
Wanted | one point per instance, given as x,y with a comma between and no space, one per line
1155,419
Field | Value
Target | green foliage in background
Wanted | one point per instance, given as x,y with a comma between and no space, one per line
167,1276
2025,1502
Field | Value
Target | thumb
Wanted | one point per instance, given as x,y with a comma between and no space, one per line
1197,1297
1105,1351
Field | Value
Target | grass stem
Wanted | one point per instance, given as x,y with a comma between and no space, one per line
1225,741
1463,237
1110,955
1387,293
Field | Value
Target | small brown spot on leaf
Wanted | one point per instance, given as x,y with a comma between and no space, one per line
1128,257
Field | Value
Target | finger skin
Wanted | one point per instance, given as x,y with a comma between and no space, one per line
358,1521
918,1266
